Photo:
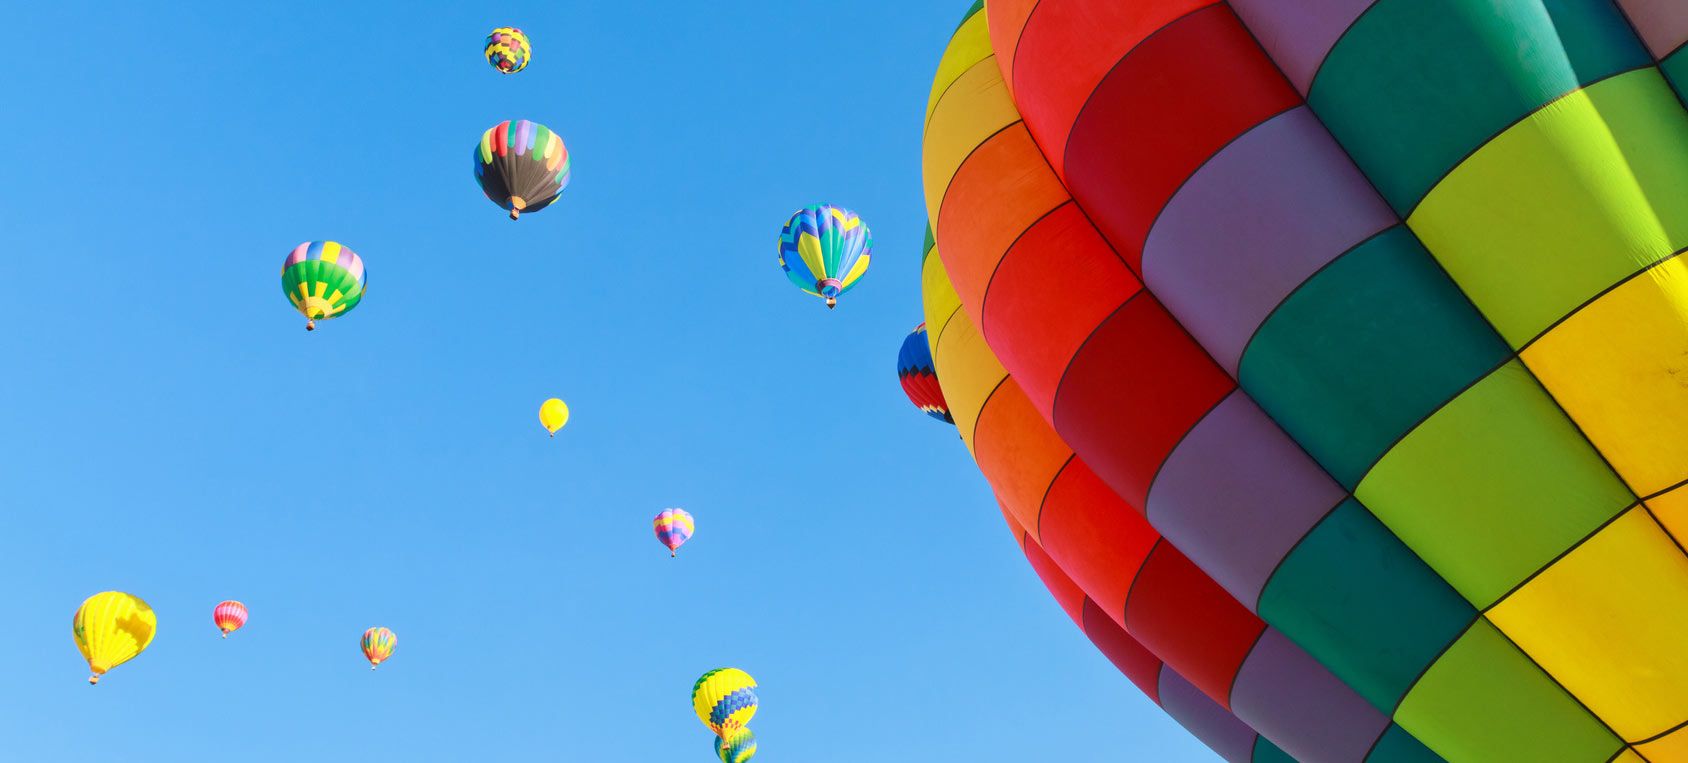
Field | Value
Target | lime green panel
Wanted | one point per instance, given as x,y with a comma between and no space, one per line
1364,350
1484,700
1416,85
1397,746
1567,203
1494,486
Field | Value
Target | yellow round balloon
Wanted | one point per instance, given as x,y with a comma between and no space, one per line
110,629
553,414
724,699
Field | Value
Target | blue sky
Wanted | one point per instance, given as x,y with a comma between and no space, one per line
172,431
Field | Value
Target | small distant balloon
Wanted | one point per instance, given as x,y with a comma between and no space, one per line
724,699
553,414
674,527
824,250
507,50
111,628
378,645
919,376
738,746
229,616
522,166
323,279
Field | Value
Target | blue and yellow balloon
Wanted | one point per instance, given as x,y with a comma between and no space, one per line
824,250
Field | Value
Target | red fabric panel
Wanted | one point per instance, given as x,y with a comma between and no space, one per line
1001,189
1126,653
1065,591
1099,541
1171,103
1132,392
1180,614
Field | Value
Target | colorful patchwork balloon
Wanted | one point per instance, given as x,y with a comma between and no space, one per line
507,50
919,380
673,527
824,250
378,645
323,280
1334,352
738,746
112,628
724,699
229,616
522,166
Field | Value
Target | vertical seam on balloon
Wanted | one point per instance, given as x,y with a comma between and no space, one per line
1155,477
986,403
1388,723
1267,581
984,299
948,184
1408,430
1061,383
1336,43
1050,488
1131,590
1499,600
1550,677
1014,55
926,127
1109,73
1476,617
1635,29
1298,287
1572,313
1231,688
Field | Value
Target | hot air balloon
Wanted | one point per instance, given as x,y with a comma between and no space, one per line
111,628
673,527
507,50
323,280
919,380
378,645
825,250
724,699
229,616
1334,351
553,414
738,746
522,166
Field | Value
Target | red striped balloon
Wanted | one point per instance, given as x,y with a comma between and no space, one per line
229,616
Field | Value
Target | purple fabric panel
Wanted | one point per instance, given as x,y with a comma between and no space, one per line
1663,24
1237,494
1280,686
1253,224
1298,34
1216,727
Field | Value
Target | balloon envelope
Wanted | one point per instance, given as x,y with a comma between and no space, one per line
229,616
673,527
111,628
378,644
919,377
507,50
724,698
824,250
738,746
323,279
553,414
522,166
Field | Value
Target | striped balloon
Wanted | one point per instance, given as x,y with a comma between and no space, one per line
323,280
724,699
378,645
738,746
824,250
918,376
674,527
522,166
507,50
229,616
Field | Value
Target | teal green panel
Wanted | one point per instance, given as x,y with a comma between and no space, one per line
1365,350
1363,605
1397,746
1416,85
1266,752
1676,70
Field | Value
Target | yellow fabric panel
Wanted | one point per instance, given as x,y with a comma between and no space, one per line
1670,748
967,372
970,45
1672,512
976,107
1620,368
1629,756
939,299
1609,622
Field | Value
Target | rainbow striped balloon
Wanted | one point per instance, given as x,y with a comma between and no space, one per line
724,699
674,527
824,250
378,645
229,616
522,166
738,746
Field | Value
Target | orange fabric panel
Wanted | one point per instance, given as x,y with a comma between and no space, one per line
1018,452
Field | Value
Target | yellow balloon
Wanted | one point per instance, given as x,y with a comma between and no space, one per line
553,414
110,629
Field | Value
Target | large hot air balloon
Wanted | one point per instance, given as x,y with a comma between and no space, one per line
378,644
522,166
673,527
323,280
1333,350
724,699
919,380
738,746
229,616
553,414
825,250
111,628
507,50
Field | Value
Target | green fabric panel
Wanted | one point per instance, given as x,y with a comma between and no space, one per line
1366,349
1494,486
1565,204
1363,605
1484,700
1416,85
1266,752
1397,746
1676,69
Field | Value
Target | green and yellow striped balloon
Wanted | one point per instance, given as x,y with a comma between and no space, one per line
323,279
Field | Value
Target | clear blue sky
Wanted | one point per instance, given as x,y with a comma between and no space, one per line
169,428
